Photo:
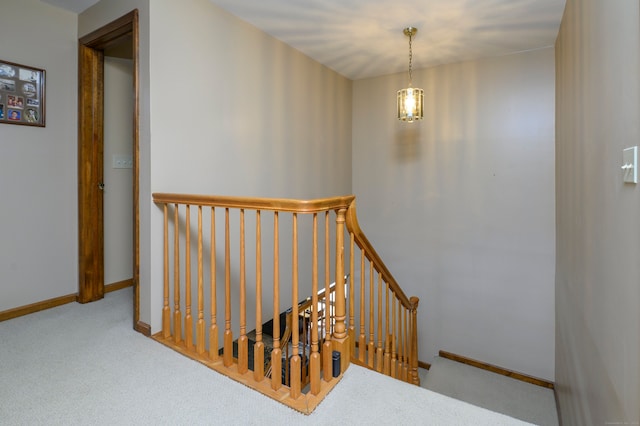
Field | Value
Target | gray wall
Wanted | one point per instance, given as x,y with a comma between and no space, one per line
461,206
118,191
38,166
598,247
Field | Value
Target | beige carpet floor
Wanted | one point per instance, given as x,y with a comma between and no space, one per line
84,365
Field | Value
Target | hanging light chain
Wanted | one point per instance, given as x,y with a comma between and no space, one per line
410,57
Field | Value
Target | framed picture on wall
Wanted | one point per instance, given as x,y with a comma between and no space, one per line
21,94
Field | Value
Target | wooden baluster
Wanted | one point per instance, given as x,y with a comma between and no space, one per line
400,345
405,366
362,342
188,319
379,351
228,334
340,336
394,360
351,297
304,357
327,346
177,315
314,359
276,353
166,310
243,341
295,364
258,348
414,376
213,331
372,347
387,341
200,324
287,363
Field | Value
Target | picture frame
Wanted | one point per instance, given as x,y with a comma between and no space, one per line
22,94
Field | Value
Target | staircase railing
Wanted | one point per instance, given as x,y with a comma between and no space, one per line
201,280
391,346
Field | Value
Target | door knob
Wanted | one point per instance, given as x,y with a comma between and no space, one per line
101,186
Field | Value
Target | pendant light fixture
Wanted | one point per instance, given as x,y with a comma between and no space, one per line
410,100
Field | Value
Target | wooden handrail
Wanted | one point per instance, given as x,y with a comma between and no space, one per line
361,240
272,204
308,302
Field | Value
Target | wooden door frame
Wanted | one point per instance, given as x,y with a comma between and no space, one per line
90,159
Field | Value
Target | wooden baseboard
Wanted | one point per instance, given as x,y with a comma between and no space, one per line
108,288
498,370
37,307
143,328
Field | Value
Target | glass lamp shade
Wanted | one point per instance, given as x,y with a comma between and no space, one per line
410,104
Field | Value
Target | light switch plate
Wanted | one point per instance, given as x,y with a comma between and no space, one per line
630,164
122,162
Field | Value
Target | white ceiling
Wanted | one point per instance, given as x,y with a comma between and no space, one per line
363,38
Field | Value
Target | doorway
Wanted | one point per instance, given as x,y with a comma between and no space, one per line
91,55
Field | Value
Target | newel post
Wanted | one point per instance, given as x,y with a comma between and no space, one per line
415,378
340,337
